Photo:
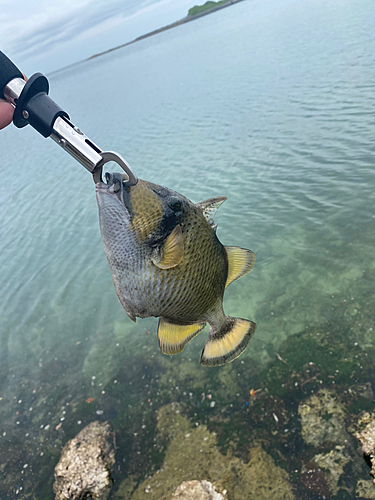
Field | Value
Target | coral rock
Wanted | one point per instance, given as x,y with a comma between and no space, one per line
365,489
322,419
367,438
333,462
85,465
192,454
197,490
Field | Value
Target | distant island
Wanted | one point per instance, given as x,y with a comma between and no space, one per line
208,6
194,13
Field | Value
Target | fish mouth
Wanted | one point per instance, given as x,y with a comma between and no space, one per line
114,185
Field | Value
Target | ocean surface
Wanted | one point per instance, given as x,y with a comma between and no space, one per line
268,103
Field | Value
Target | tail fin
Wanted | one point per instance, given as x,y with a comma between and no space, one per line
226,344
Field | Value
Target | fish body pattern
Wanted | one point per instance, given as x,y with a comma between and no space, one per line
166,261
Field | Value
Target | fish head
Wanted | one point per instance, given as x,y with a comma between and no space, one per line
149,211
154,210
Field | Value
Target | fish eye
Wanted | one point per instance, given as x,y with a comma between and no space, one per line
174,204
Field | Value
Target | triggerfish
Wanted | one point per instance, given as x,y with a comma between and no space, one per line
166,261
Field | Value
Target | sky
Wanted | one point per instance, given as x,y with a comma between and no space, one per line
46,35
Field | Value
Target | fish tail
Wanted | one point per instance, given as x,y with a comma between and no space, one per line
226,343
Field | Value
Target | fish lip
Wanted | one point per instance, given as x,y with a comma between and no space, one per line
102,188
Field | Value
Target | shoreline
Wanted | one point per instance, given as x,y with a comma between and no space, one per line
184,20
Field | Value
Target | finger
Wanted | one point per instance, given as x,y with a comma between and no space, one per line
6,113
7,110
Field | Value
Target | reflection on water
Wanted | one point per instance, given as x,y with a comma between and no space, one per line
274,113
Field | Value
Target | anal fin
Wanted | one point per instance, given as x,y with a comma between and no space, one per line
226,344
240,262
173,338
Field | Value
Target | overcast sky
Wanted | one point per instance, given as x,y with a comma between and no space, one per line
45,35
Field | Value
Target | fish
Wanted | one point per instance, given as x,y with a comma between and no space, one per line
166,261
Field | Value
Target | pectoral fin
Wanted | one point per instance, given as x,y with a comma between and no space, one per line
171,253
173,338
226,344
240,262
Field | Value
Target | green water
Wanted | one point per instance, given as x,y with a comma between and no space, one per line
268,103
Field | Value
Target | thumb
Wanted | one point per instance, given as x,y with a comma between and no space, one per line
6,113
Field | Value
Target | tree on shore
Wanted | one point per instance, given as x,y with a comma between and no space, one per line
197,9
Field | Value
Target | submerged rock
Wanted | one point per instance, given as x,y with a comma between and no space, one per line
322,419
367,437
262,479
192,454
126,488
84,469
197,490
365,489
315,480
334,463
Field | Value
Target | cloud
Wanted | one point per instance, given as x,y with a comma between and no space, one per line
29,28
51,35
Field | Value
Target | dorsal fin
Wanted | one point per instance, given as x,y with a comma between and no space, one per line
210,206
240,262
171,253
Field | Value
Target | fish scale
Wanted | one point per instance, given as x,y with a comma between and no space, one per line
183,286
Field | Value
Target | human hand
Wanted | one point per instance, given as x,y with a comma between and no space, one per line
6,113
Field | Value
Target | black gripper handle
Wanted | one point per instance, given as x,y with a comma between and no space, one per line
33,107
8,71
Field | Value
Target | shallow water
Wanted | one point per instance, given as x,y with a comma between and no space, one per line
268,103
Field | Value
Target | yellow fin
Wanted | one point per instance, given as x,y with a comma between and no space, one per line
172,251
240,262
173,338
226,344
